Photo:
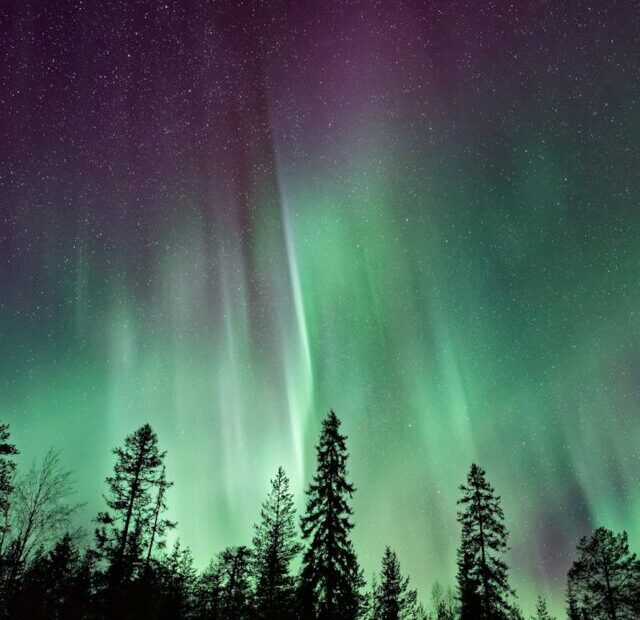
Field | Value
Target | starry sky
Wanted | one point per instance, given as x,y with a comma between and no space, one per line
225,218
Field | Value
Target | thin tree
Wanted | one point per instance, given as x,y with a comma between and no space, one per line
604,581
41,510
177,584
482,573
124,530
159,525
392,597
542,613
443,602
330,578
275,545
7,473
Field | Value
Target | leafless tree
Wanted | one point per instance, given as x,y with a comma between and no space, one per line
42,508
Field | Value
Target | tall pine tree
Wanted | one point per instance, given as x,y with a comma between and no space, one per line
604,581
126,529
482,573
275,545
330,579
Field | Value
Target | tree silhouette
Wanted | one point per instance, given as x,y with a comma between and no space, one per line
209,593
41,510
482,573
604,581
392,598
573,610
235,593
275,545
159,525
330,578
135,501
54,586
444,603
177,584
7,472
542,613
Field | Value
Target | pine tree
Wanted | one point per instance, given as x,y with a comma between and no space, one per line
482,573
159,525
54,585
274,548
330,578
209,593
392,597
542,613
573,610
125,530
235,593
468,586
604,581
7,472
177,584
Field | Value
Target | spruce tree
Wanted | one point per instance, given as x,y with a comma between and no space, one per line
125,529
542,613
330,579
177,585
468,586
55,585
235,594
482,573
209,593
7,471
392,597
604,581
275,545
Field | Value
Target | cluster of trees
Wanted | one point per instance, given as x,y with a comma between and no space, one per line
129,571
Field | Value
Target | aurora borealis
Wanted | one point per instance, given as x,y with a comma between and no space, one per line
226,218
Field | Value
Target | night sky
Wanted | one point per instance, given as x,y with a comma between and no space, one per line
224,218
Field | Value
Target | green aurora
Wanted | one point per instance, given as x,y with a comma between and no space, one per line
453,300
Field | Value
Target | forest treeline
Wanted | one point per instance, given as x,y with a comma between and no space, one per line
127,570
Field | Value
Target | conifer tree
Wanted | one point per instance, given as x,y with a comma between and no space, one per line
468,586
392,597
159,525
7,471
542,613
124,530
482,573
330,578
235,594
573,611
54,586
604,581
274,547
209,593
177,584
